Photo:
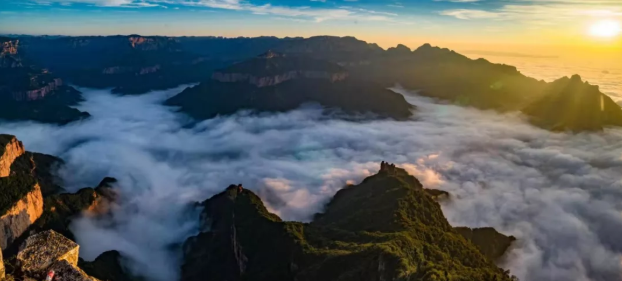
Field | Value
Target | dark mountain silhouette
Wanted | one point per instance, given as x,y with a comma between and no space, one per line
137,64
276,82
385,228
574,105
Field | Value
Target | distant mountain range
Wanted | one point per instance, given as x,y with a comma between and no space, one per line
346,73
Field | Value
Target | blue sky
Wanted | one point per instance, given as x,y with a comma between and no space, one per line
386,22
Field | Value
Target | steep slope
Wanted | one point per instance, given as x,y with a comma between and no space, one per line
30,93
275,82
574,105
386,228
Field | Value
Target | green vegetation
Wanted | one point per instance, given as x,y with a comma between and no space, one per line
13,188
386,228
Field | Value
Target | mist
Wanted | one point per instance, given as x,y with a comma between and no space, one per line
559,194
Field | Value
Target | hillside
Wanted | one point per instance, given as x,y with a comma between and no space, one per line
386,228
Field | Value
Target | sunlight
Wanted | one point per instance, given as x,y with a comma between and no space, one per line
606,28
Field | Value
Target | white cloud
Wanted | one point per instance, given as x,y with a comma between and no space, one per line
559,194
466,14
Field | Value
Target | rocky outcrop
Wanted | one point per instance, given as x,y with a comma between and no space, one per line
41,250
60,209
8,55
20,216
277,79
273,68
39,93
49,251
10,149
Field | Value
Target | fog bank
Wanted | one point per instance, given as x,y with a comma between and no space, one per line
559,194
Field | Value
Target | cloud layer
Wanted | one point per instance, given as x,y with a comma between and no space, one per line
559,194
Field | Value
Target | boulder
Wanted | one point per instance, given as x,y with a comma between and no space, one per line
43,250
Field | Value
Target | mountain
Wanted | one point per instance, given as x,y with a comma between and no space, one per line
386,228
31,93
277,82
573,105
136,64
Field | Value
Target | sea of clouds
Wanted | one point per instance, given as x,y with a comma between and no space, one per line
559,194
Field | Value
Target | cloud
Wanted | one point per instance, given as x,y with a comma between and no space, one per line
458,1
305,12
466,14
559,194
540,12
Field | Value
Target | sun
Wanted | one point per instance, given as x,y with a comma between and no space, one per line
606,28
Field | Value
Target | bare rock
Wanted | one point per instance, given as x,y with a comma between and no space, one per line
20,217
10,149
44,249
65,271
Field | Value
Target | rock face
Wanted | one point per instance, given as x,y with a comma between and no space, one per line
272,68
10,149
386,228
40,93
277,79
21,203
20,216
2,270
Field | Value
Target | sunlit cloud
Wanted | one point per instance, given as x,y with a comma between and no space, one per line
543,12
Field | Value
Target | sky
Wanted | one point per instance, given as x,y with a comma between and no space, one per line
516,25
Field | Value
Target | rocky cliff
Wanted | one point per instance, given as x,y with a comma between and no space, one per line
278,78
386,228
20,216
10,149
21,203
273,68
